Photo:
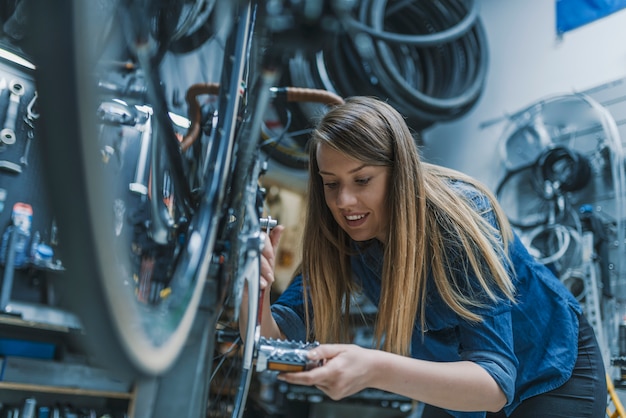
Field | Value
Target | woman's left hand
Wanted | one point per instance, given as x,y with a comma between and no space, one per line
344,371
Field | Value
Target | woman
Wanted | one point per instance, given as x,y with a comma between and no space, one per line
468,322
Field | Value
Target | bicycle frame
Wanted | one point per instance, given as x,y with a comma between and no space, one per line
167,210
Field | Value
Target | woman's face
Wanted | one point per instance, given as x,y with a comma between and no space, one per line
355,193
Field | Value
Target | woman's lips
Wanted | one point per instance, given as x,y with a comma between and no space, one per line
354,221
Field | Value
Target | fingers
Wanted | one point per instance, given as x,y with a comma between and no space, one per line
314,377
267,272
269,256
269,251
324,378
341,374
275,235
326,351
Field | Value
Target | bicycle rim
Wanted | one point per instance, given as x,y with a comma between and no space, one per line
137,242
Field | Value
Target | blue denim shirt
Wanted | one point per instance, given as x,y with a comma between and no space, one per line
529,347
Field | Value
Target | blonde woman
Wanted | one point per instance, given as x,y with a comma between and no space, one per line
468,322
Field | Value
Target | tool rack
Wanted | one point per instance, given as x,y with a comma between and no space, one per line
42,365
41,369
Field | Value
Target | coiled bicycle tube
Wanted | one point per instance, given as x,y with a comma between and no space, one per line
426,40
462,91
429,59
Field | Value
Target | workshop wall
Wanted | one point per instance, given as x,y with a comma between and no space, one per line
528,61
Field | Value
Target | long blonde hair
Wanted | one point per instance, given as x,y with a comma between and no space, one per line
426,219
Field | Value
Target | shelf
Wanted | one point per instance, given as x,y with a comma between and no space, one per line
52,382
39,316
17,321
27,387
67,393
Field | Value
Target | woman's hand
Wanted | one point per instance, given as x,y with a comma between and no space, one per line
268,256
344,371
348,369
269,328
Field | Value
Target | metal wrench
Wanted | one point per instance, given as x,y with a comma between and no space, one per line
31,115
29,139
7,135
29,119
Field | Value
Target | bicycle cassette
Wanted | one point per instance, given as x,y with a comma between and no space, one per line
285,355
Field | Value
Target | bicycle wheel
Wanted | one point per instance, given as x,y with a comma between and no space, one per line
137,215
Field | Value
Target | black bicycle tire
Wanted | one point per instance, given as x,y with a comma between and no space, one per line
112,334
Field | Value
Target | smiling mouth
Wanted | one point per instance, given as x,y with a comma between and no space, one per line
354,217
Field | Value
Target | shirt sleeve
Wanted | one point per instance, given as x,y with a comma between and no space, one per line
490,345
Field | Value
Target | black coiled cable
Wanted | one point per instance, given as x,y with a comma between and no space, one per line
427,58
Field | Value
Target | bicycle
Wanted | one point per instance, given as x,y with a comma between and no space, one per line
160,211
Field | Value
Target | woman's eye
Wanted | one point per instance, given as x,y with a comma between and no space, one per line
330,185
363,181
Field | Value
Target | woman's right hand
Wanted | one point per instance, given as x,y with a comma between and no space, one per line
268,256
268,262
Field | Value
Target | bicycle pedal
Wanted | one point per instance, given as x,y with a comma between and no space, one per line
285,355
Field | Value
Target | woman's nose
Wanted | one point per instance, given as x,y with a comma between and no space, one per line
345,197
